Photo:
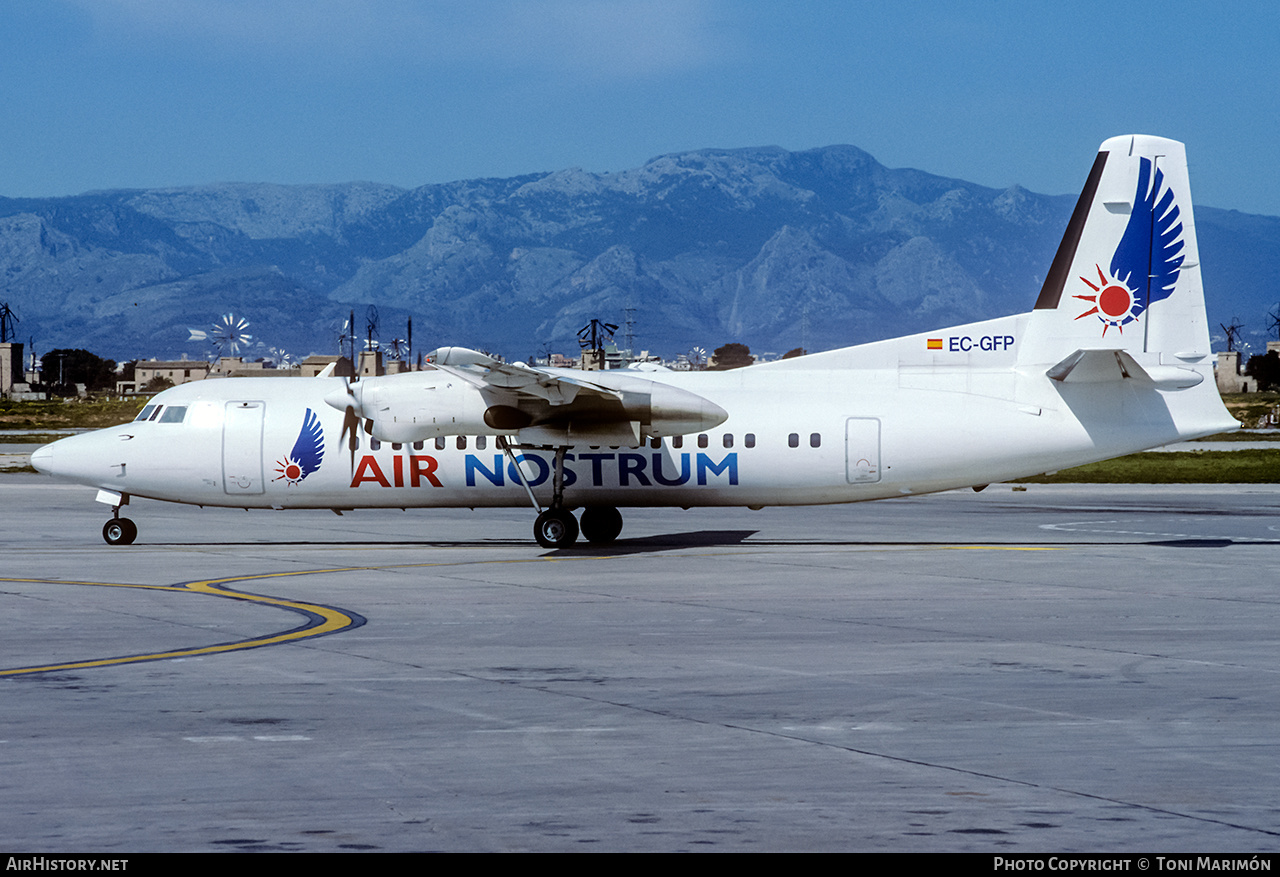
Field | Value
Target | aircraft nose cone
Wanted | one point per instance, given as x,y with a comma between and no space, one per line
42,459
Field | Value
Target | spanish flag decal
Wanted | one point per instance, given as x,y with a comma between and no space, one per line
934,344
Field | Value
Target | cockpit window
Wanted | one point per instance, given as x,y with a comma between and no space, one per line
174,414
145,413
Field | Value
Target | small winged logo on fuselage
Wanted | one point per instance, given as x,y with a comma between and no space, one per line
307,453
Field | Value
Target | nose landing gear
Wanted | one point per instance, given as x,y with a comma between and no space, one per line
118,530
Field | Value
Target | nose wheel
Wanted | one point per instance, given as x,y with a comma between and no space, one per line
119,531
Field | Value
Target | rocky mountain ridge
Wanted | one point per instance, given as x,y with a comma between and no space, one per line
776,249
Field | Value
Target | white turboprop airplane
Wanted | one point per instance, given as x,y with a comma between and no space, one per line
1114,358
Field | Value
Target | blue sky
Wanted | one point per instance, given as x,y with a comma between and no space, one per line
98,94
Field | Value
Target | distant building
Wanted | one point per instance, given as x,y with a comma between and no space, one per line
370,363
175,371
1226,370
313,365
236,367
11,370
607,357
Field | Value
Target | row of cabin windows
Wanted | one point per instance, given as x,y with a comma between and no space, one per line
176,414
677,442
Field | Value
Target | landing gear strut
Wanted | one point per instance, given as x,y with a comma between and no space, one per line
118,530
556,527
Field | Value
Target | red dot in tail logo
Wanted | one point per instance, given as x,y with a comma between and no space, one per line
1113,302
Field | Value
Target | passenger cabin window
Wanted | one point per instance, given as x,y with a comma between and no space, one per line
655,443
462,442
374,444
480,443
749,440
440,443
793,440
815,440
702,440
174,414
677,441
417,446
728,440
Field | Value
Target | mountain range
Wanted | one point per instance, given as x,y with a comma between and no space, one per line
775,249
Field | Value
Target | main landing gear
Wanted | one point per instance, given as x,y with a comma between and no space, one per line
601,524
556,527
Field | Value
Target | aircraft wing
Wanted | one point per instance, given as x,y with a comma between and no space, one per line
483,370
470,393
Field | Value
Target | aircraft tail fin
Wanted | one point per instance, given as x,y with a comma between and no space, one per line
1127,273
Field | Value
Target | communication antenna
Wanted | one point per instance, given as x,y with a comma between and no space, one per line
629,321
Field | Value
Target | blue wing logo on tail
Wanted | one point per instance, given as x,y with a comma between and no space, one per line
307,453
1148,259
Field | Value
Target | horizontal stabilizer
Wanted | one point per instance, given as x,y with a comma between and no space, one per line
1102,366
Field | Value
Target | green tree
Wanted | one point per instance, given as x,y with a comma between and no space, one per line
64,368
732,355
1265,370
156,384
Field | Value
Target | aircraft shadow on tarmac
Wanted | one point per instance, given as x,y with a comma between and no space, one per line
663,542
708,539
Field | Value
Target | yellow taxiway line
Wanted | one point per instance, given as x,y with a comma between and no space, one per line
320,620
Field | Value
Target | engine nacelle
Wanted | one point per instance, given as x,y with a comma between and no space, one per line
415,406
548,407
